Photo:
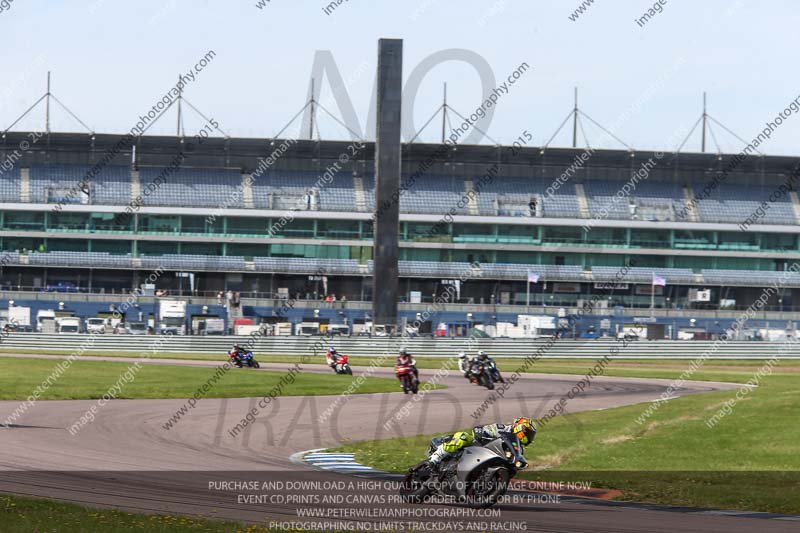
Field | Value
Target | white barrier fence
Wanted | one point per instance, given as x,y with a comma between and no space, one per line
426,347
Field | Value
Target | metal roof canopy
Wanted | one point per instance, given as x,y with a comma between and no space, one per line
244,154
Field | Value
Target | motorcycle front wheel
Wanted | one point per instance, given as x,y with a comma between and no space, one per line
486,487
413,488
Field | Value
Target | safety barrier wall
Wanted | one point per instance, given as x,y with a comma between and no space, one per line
426,347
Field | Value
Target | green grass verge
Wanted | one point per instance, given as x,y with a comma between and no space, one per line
748,461
25,515
92,379
716,370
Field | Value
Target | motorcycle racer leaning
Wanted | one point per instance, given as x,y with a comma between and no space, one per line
484,358
522,427
464,363
332,356
405,358
237,351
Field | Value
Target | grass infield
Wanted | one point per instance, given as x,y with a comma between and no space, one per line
715,370
91,379
25,515
748,460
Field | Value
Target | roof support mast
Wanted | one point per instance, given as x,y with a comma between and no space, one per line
575,121
47,106
705,122
180,94
311,123
444,112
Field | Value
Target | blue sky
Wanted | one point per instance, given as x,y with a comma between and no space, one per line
111,60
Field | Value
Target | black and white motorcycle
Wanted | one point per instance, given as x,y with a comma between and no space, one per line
480,373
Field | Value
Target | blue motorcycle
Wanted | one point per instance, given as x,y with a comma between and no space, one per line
244,359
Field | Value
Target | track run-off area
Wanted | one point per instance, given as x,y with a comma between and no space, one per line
130,457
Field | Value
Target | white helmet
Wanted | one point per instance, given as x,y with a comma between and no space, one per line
462,355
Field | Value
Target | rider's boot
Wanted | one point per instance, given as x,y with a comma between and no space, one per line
439,455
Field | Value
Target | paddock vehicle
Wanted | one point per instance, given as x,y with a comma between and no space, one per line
68,324
96,325
136,328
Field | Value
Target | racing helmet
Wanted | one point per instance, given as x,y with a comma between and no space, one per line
462,355
235,345
482,354
403,352
524,429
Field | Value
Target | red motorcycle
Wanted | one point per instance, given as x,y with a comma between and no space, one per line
340,364
408,378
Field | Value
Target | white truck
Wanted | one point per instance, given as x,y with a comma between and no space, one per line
68,324
537,326
307,328
338,329
19,317
213,326
96,325
46,321
632,332
172,317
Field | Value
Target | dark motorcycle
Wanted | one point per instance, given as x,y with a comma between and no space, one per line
480,374
243,359
478,476
494,372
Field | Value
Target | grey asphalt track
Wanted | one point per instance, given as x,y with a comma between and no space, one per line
127,458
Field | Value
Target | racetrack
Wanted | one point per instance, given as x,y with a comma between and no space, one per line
126,458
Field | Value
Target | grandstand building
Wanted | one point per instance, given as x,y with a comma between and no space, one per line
278,218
